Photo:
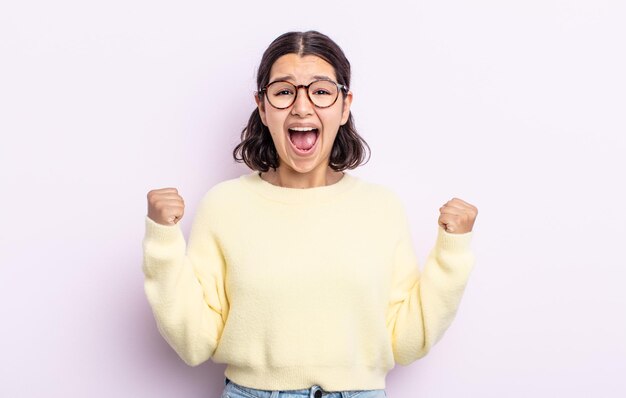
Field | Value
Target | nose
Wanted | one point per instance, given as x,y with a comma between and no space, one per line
302,106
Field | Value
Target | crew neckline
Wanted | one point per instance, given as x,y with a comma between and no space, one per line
319,194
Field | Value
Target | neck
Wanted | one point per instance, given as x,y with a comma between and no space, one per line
289,178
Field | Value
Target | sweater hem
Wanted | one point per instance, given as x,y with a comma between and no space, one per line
297,378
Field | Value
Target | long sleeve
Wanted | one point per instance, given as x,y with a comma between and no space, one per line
291,287
186,289
423,305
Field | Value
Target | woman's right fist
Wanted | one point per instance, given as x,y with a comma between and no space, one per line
165,206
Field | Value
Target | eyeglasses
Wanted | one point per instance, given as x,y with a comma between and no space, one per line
322,93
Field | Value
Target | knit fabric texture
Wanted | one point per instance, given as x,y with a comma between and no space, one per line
298,287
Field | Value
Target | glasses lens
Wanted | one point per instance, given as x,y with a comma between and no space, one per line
281,94
323,93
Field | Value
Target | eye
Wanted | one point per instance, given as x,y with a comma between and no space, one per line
320,91
282,91
323,88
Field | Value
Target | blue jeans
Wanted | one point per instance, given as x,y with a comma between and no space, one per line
234,390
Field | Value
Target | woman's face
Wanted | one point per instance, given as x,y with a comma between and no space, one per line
302,114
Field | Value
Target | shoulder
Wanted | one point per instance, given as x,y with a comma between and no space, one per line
383,194
387,204
218,204
223,192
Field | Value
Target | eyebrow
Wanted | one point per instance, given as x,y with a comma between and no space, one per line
292,77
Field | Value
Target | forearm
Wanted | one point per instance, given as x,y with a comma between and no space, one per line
176,296
433,298
443,281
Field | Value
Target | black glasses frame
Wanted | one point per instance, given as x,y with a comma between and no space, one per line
306,87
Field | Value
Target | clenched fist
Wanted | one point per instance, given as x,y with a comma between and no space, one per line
457,216
165,206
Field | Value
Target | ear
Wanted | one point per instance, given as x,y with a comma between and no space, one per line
261,105
345,114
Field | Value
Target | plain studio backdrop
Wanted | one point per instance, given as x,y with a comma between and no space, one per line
517,107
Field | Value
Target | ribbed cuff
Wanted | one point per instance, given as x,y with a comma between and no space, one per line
453,242
162,233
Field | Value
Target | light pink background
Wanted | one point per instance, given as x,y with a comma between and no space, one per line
516,107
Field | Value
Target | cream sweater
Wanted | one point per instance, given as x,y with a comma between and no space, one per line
295,287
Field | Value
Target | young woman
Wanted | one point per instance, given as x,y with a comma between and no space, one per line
299,276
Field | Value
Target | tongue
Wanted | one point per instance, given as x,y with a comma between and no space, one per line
303,139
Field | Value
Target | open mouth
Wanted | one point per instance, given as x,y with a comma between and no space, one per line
303,139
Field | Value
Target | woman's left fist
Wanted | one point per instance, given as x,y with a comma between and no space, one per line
457,216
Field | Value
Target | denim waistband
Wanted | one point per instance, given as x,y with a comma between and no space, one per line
314,391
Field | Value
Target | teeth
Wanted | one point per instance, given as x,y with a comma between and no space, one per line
302,128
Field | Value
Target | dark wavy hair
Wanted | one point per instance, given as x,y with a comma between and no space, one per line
257,148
